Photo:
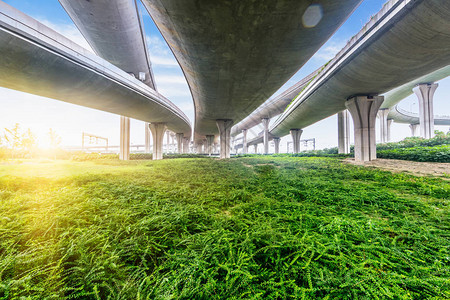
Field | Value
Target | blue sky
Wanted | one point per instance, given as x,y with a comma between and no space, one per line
69,121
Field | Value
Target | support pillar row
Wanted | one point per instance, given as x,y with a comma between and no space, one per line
296,135
158,130
124,138
224,127
364,112
343,132
179,137
425,93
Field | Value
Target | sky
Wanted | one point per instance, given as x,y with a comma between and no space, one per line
69,120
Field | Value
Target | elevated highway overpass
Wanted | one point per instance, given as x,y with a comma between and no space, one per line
235,54
405,40
398,115
40,61
115,31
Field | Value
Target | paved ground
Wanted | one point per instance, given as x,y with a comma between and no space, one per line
413,167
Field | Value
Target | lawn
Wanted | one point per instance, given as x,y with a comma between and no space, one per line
243,228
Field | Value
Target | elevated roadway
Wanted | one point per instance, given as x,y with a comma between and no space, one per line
236,54
393,98
40,61
273,106
405,40
114,30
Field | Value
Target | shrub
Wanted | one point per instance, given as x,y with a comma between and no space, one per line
431,154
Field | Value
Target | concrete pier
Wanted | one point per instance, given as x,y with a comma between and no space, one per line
343,132
209,144
224,127
296,134
388,126
244,141
364,111
186,142
384,130
147,137
255,148
179,137
168,141
158,130
265,122
425,93
276,141
413,128
124,138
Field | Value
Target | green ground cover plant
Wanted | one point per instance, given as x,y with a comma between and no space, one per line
430,154
439,139
244,228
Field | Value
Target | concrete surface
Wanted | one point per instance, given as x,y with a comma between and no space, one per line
236,54
40,61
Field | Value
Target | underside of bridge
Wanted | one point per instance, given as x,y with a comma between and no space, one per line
236,54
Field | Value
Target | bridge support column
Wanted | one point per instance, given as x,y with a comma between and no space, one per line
413,128
147,138
124,138
179,137
425,93
158,130
343,132
296,134
276,141
244,141
186,142
389,123
265,122
364,112
225,137
255,147
209,144
382,115
168,141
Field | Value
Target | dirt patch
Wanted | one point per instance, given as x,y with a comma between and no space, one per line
441,170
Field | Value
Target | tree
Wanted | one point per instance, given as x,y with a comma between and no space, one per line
55,139
28,141
13,137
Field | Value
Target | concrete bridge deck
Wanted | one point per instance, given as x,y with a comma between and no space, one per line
406,40
40,61
236,54
113,28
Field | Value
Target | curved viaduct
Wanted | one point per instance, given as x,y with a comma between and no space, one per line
40,61
235,54
404,41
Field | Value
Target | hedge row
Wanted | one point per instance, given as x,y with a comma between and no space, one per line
431,154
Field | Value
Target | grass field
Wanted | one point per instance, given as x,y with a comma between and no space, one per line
244,228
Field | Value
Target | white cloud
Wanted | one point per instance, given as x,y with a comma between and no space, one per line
157,46
163,61
160,53
328,51
70,31
169,91
171,79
